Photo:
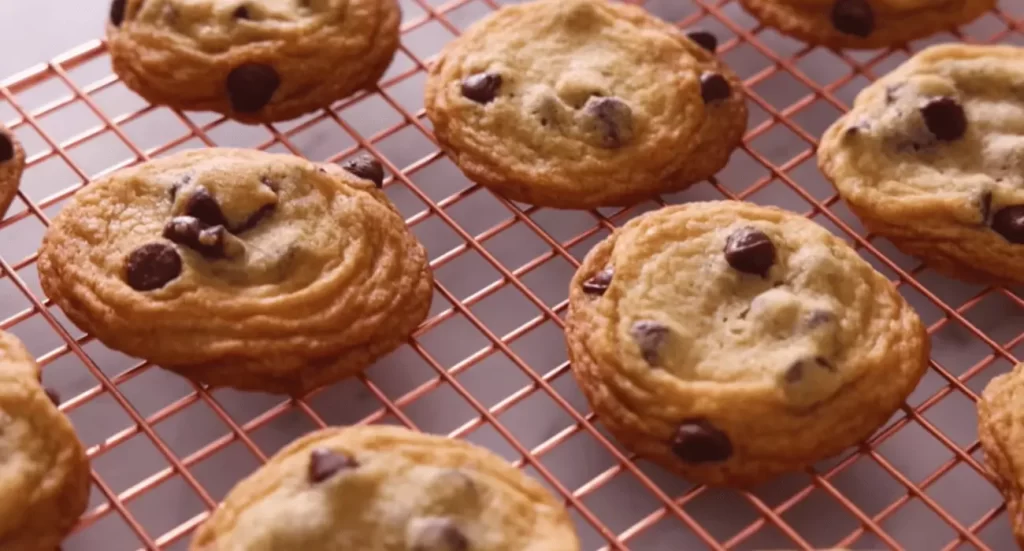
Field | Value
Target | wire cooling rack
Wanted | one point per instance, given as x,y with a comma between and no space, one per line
489,365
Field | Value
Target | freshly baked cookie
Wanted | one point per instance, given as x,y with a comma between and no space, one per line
1001,432
12,163
583,103
865,23
932,157
387,489
239,268
44,473
731,342
252,60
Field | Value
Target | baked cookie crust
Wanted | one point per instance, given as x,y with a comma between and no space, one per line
12,164
1000,424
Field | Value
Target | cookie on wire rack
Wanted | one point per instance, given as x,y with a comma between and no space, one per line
865,24
44,472
931,157
253,61
12,164
583,103
731,343
1000,424
387,489
240,268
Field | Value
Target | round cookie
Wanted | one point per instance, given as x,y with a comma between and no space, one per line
1000,421
865,24
730,342
12,163
44,472
583,103
251,60
932,157
387,489
239,268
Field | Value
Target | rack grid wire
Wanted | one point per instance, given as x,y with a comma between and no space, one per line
489,365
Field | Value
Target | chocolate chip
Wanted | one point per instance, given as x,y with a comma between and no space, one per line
649,336
853,17
714,87
53,395
6,148
985,206
945,118
890,93
698,441
750,251
704,39
117,8
270,183
190,232
436,534
152,266
613,119
255,218
482,87
251,86
324,464
366,167
203,207
1009,223
598,284
241,12
795,373
827,365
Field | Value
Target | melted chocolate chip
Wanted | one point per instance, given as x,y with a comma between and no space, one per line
53,395
437,534
1009,223
853,17
698,441
203,207
598,284
255,218
152,266
482,87
750,251
6,148
190,232
117,8
704,39
241,12
251,86
714,87
613,119
649,336
324,464
945,118
366,167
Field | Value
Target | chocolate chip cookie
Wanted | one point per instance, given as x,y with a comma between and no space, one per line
865,23
1000,424
583,103
252,60
12,163
387,489
44,473
239,268
932,157
730,342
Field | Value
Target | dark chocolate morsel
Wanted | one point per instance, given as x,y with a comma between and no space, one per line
190,232
366,167
853,17
255,218
649,336
241,12
823,362
117,8
481,87
704,39
324,464
795,373
152,266
53,395
714,87
945,118
438,534
750,251
203,207
1009,223
698,441
598,284
6,147
613,118
251,86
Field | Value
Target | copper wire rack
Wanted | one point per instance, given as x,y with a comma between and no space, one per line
489,365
